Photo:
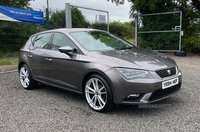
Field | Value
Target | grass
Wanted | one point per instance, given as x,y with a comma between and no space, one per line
5,62
8,58
9,54
132,41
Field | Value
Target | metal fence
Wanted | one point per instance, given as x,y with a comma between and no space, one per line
159,31
13,35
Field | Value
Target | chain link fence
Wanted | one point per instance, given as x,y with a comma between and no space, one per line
13,35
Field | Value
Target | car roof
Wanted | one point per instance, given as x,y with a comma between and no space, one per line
67,30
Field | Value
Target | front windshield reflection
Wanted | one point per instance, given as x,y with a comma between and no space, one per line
100,41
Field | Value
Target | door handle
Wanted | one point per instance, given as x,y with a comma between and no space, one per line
30,56
49,59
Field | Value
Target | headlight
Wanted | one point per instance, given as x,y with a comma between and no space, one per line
177,70
130,74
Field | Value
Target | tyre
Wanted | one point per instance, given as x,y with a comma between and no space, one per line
98,93
26,79
180,53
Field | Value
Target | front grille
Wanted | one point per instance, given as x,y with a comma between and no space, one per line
163,73
164,92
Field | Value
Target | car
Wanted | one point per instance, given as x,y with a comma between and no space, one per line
106,69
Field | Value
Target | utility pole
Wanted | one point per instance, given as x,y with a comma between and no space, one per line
48,4
68,18
47,15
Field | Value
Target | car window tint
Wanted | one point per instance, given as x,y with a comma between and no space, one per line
61,40
42,40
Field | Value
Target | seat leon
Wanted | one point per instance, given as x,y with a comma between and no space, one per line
106,69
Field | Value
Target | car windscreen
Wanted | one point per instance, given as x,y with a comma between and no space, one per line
100,41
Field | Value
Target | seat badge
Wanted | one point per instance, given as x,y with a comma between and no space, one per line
169,72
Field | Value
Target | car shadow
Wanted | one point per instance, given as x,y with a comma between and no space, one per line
164,106
60,92
79,102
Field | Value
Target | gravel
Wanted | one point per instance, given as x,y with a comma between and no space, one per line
50,109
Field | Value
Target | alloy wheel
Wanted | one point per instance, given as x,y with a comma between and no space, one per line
24,77
96,94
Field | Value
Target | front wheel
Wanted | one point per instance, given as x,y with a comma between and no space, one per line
26,79
98,93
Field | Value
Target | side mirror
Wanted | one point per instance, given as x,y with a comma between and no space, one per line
66,49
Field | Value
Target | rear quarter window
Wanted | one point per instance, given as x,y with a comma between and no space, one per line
42,40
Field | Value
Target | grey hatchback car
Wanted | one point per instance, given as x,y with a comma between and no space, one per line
106,69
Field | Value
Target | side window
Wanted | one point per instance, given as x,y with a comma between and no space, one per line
60,40
42,40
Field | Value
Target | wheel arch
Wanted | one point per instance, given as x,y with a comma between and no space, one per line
22,63
98,73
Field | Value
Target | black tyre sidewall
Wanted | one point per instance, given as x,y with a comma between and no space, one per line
109,102
180,53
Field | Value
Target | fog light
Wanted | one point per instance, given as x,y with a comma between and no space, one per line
133,96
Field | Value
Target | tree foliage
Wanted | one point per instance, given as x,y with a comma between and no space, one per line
16,3
57,19
78,20
195,4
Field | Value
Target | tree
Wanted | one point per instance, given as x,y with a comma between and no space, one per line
78,20
196,4
16,3
57,19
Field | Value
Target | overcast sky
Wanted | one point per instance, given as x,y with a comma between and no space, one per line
120,12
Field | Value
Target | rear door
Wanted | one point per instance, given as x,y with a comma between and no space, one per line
37,56
61,68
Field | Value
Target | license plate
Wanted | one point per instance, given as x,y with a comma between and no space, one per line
169,83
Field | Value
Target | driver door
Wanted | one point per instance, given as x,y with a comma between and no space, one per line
61,68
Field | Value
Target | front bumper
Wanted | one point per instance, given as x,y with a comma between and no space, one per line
149,90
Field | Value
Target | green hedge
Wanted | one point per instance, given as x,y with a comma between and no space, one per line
124,30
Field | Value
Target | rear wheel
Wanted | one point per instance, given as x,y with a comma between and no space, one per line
26,79
98,93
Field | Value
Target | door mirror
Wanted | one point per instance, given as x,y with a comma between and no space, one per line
65,49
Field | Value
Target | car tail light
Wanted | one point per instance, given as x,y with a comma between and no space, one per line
18,52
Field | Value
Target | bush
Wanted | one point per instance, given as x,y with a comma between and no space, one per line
124,30
191,43
100,26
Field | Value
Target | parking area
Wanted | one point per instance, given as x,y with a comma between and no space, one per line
50,109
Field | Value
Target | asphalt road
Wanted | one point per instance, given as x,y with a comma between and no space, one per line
49,109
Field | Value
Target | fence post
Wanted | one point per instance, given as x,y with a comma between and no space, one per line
180,30
68,18
47,18
108,21
136,30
